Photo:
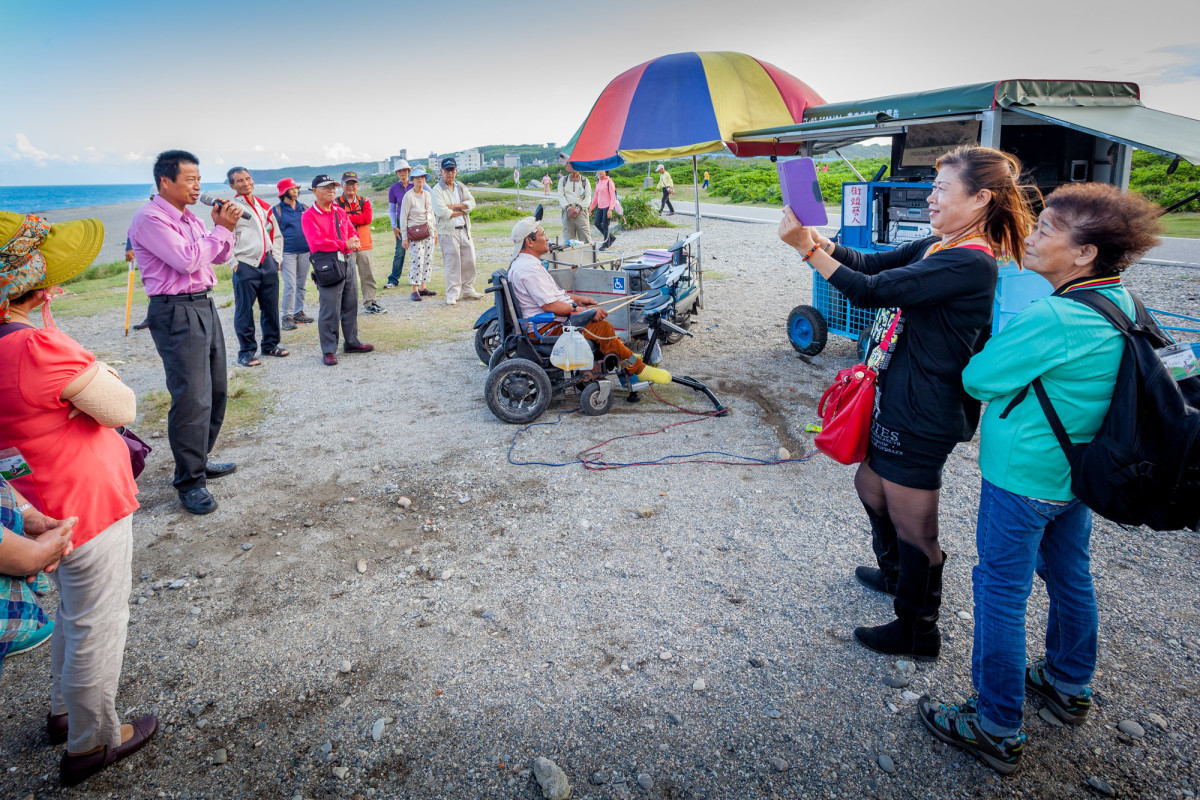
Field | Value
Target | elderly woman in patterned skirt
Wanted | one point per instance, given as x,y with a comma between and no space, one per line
415,211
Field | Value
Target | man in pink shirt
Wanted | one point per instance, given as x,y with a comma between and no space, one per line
176,254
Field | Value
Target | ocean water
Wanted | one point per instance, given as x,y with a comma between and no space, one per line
26,199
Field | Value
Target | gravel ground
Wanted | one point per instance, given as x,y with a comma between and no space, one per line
698,649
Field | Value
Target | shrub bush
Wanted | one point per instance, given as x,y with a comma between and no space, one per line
1148,177
640,212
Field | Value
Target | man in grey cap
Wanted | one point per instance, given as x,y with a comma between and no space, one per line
395,200
452,204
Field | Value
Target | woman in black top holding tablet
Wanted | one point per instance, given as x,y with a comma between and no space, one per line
942,288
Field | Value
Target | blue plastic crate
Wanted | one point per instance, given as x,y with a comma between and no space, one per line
841,317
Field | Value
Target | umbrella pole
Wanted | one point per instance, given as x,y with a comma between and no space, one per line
699,261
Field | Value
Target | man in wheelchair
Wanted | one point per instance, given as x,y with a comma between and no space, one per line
535,291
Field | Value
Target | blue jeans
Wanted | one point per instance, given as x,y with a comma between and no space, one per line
1015,535
397,264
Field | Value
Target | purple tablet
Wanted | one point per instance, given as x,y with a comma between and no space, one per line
802,191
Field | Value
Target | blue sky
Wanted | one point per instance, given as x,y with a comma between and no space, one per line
107,85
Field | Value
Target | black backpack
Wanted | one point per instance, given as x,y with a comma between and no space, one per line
1143,467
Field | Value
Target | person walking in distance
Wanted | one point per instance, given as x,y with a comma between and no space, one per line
176,253
452,204
604,202
358,209
667,184
257,251
575,197
331,238
295,253
396,194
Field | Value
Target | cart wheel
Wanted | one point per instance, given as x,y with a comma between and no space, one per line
806,330
589,401
486,338
864,343
517,391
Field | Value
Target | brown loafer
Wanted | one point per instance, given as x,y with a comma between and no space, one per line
56,728
73,770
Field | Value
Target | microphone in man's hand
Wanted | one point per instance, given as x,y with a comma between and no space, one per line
209,200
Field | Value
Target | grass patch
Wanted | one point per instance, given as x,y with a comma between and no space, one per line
247,404
495,212
1186,226
106,292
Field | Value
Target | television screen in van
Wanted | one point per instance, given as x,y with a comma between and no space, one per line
924,144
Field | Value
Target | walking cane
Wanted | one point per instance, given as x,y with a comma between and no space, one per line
129,296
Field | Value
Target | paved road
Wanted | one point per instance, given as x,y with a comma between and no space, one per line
1172,252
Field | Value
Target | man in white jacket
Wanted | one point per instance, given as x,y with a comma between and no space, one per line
575,197
452,204
258,252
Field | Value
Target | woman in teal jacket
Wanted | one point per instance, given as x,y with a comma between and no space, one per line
1028,518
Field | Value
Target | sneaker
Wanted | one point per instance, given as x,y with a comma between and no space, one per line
370,309
289,323
959,726
1070,708
32,640
378,308
390,285
469,293
303,319
450,301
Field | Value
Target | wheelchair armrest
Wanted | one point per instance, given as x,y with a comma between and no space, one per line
582,318
541,318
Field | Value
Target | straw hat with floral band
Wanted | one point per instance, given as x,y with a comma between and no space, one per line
37,255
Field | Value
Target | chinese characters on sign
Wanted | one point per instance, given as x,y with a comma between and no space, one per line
854,205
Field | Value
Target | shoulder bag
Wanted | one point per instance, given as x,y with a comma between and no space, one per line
419,233
847,405
329,267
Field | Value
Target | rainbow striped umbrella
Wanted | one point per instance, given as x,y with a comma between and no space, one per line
686,104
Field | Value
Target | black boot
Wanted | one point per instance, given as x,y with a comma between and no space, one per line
887,554
914,632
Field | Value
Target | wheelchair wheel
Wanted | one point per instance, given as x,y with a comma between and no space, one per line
517,391
499,355
589,401
487,336
807,330
674,337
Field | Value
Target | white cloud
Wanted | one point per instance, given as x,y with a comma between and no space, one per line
282,156
26,150
89,149
258,148
132,156
218,160
337,152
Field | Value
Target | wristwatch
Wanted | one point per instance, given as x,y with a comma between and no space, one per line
574,306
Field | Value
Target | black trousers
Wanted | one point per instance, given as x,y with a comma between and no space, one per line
256,284
666,201
187,334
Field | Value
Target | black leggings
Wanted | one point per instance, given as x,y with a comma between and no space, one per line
914,512
602,222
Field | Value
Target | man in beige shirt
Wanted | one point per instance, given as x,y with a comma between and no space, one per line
575,196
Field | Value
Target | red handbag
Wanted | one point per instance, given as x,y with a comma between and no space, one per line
847,405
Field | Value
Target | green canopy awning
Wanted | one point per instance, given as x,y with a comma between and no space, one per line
1137,126
1109,109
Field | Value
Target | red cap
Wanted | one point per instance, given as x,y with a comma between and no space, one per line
284,185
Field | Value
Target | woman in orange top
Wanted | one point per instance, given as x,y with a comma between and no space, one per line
59,409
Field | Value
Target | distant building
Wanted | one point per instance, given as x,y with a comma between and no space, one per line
435,164
383,167
512,161
469,160
549,145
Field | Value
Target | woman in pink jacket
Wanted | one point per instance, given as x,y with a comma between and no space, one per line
604,201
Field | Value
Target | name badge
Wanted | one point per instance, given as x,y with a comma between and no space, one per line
13,464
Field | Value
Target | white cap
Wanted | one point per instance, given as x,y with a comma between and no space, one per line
521,231
660,168
401,164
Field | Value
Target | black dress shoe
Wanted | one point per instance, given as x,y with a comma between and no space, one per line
214,470
198,501
141,326
74,770
56,728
